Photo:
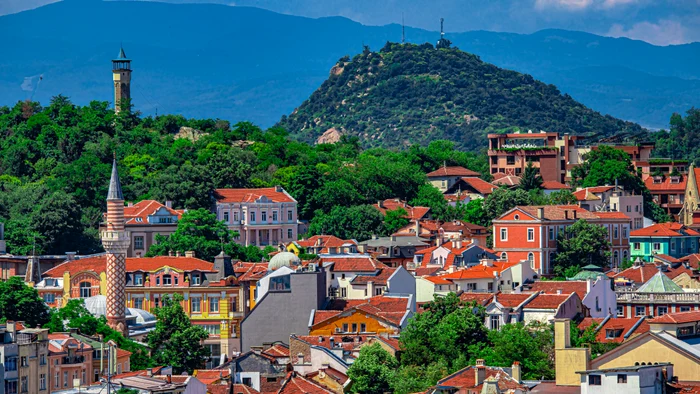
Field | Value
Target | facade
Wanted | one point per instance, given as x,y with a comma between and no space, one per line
258,371
323,244
530,233
469,188
121,74
596,294
146,219
612,199
638,379
690,213
438,232
386,314
671,239
262,217
285,307
616,329
212,297
344,268
444,177
490,276
394,251
24,361
657,297
668,191
70,362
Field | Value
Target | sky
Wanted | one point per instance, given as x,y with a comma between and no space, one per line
659,22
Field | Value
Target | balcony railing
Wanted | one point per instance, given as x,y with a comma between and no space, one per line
635,297
72,360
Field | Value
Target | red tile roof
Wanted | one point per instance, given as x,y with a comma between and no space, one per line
346,341
277,350
664,230
479,271
379,279
564,287
452,171
679,317
142,209
512,300
554,185
321,316
558,212
581,194
438,280
623,324
426,271
251,195
666,258
547,301
209,376
639,274
392,204
503,179
466,379
693,260
353,263
612,215
148,264
391,309
666,184
482,299
325,242
296,384
480,185
254,273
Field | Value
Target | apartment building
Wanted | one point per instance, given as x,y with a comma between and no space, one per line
612,199
24,355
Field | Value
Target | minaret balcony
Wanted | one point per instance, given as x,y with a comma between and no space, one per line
116,239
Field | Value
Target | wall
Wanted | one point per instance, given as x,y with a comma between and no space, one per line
279,314
609,384
402,282
607,301
425,290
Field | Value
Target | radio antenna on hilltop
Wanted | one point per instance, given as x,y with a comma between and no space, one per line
403,30
442,31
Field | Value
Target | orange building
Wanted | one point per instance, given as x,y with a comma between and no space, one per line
386,314
530,233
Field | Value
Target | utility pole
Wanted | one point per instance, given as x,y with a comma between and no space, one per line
442,31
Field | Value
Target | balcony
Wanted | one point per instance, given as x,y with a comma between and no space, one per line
662,298
543,151
66,361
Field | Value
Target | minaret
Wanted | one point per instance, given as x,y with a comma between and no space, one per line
116,241
121,73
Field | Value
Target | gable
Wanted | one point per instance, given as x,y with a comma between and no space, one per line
373,323
522,215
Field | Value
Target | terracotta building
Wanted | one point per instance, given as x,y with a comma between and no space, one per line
70,360
265,216
530,233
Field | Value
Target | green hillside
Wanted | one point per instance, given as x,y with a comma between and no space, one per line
407,94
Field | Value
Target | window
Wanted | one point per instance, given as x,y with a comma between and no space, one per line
49,298
138,279
156,302
510,160
225,216
196,303
289,233
65,378
289,216
615,232
594,380
504,256
354,327
624,231
621,378
612,333
82,378
378,291
214,304
252,217
138,243
57,376
494,322
248,382
662,310
471,286
620,311
157,280
11,364
363,327
531,235
657,246
345,327
640,311
138,303
212,329
274,216
42,359
516,217
42,381
637,246
167,280
176,279
685,309
343,292
195,280
235,216
263,216
551,233
23,361
24,386
685,331
490,286
504,234
85,289
531,259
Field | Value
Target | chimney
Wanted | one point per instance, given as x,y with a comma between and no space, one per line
149,372
559,291
177,253
380,203
515,371
170,253
417,227
189,253
479,372
168,204
370,288
540,213
70,256
169,378
279,189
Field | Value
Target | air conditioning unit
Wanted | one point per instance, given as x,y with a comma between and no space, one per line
337,330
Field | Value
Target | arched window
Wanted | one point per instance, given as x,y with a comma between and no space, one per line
504,256
615,258
85,289
624,255
531,259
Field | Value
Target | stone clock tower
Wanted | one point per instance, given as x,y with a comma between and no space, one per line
121,74
116,240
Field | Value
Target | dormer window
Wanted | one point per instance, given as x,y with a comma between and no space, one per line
612,333
167,280
658,179
138,279
675,179
196,280
139,220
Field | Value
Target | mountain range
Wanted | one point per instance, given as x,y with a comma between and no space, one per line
240,63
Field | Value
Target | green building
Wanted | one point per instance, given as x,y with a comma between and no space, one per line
671,239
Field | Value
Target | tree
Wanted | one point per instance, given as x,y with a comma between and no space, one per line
429,196
474,212
373,371
19,302
394,220
588,338
175,341
359,222
530,345
531,179
582,243
198,230
502,200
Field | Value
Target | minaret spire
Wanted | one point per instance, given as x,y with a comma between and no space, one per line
115,187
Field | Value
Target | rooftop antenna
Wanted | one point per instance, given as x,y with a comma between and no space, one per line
403,30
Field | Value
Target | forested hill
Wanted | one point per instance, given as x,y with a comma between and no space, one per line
407,94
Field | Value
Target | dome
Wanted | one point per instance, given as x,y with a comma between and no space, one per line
283,259
142,317
96,305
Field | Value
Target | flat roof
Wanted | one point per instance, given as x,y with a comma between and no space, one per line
633,368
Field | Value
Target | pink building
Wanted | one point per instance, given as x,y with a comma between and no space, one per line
69,361
265,216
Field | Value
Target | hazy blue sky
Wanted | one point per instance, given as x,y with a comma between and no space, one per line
659,22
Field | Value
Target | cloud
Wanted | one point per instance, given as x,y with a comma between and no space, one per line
573,5
665,32
615,3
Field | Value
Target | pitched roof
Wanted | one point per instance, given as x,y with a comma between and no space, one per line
561,287
629,327
466,379
507,180
438,280
325,242
588,193
251,195
297,384
660,283
558,212
678,318
452,171
380,279
277,350
148,264
479,271
547,301
344,341
353,263
554,185
664,230
209,376
139,212
638,274
666,184
482,299
389,308
392,204
254,272
612,215
426,271
511,300
115,188
480,185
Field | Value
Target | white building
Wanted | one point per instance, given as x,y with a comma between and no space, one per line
638,379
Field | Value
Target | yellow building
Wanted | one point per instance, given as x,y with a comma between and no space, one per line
376,315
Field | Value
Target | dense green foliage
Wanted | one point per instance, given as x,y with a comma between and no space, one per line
681,141
531,179
408,94
587,337
19,302
373,371
55,167
176,341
